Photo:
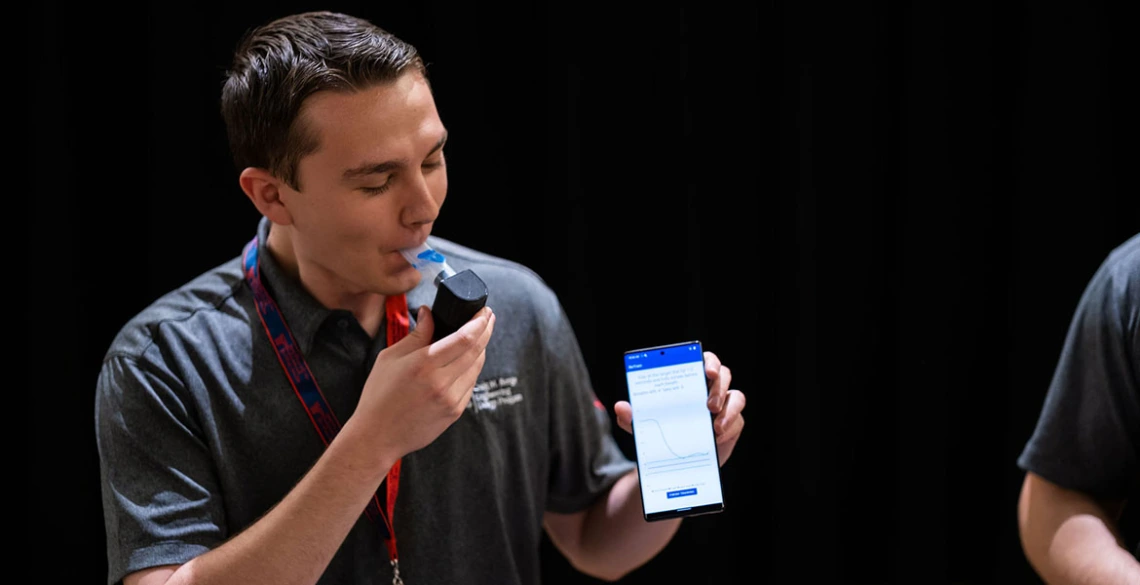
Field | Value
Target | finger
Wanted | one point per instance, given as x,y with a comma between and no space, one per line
719,378
726,421
425,325
712,365
465,385
418,338
624,413
725,447
730,431
729,425
473,350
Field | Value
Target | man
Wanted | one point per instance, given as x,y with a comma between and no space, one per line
285,419
1082,466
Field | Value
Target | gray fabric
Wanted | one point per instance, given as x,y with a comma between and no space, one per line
199,432
1088,435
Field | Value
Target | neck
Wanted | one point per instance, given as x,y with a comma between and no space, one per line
329,290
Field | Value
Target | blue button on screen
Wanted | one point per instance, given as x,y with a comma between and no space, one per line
681,493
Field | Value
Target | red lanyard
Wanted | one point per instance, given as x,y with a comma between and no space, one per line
305,386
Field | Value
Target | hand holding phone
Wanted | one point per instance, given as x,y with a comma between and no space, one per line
673,434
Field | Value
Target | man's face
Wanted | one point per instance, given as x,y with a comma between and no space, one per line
374,186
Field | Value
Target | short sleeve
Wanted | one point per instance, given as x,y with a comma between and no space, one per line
585,458
160,496
1088,432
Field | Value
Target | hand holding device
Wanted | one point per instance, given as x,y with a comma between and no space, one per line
677,462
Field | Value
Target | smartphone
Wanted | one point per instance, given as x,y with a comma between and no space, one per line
673,431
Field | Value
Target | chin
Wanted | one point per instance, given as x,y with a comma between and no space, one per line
404,280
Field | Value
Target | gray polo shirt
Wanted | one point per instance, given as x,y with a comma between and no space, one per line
200,433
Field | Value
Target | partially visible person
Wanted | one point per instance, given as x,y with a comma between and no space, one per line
286,418
1082,462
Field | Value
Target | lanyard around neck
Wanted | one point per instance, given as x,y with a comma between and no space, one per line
310,395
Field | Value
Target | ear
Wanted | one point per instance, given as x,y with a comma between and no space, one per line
264,190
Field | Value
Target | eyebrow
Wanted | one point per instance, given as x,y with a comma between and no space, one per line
377,168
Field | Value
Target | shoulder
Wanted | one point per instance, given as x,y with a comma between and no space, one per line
1112,297
1117,280
1123,262
189,314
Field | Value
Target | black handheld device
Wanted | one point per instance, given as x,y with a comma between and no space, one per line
458,297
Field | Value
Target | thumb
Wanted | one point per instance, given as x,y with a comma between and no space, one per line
624,413
425,326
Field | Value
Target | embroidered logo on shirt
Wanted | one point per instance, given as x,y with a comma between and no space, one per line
493,393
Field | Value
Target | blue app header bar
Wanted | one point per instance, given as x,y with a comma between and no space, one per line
663,356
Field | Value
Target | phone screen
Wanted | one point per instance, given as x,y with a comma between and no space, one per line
672,431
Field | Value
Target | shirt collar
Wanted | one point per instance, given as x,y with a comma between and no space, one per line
302,313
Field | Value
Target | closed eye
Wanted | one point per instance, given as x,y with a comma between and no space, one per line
382,188
428,165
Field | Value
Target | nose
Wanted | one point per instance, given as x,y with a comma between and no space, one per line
424,198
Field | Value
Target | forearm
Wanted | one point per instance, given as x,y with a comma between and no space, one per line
294,542
616,539
1071,539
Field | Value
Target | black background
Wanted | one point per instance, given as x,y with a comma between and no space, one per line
880,216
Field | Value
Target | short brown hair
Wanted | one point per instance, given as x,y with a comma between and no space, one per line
280,64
